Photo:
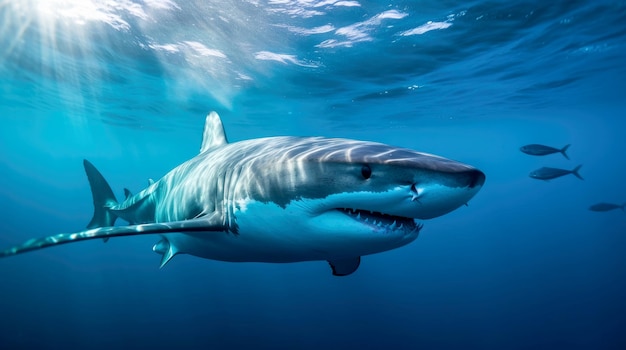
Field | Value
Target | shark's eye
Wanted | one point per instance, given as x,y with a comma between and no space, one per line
366,171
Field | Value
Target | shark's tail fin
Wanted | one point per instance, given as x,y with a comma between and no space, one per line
575,172
564,150
103,198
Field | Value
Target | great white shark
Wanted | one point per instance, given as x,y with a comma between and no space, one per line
280,200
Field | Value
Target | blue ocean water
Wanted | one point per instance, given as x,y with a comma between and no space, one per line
127,84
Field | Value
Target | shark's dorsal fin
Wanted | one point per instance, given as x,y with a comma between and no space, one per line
127,193
214,135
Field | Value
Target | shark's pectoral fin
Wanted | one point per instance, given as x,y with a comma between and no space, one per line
197,226
344,267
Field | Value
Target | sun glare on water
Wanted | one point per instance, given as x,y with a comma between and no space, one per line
66,40
47,42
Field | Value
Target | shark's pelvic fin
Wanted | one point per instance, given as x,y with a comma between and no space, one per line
166,249
197,225
103,198
344,267
213,135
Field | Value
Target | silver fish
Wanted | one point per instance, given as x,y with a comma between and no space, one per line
541,150
546,173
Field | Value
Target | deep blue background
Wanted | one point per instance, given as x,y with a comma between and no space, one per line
526,265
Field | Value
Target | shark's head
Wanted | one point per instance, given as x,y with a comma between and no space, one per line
362,194
385,183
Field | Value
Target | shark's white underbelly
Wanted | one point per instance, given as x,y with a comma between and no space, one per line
269,233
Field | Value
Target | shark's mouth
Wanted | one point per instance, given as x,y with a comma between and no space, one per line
381,220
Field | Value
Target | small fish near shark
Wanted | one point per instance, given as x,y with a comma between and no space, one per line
541,150
547,173
281,200
600,207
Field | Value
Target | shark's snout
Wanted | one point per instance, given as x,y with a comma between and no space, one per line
476,178
450,191
466,179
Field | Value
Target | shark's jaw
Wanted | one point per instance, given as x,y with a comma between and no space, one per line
381,222
365,215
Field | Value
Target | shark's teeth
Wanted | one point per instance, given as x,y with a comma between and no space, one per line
379,220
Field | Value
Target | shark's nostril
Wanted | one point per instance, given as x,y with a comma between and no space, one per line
415,193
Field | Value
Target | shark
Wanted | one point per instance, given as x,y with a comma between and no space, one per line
280,199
